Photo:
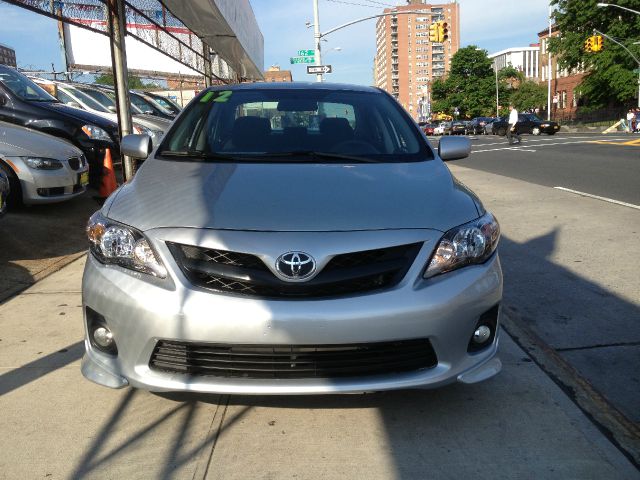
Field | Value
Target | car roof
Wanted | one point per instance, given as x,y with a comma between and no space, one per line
297,86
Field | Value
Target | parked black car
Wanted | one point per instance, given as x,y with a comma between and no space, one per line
527,123
4,192
457,127
24,103
476,125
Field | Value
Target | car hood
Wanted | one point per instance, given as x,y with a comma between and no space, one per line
293,196
78,114
21,142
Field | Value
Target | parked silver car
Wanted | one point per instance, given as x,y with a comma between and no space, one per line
41,168
289,239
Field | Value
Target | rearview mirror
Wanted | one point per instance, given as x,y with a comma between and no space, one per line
136,146
454,148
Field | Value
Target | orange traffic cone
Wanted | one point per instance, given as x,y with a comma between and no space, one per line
108,183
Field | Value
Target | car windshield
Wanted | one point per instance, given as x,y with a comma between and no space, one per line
300,124
166,104
88,100
106,99
22,87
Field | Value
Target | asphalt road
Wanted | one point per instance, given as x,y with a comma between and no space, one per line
603,165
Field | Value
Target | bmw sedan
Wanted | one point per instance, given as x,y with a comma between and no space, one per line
292,239
41,168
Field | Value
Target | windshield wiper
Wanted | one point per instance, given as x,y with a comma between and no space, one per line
316,154
198,155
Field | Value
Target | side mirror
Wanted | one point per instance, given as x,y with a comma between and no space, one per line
3,100
454,148
136,146
73,104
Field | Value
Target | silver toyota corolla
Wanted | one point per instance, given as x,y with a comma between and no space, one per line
287,239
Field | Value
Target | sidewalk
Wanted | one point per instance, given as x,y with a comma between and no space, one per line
57,425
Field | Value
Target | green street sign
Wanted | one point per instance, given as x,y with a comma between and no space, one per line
637,70
302,60
306,53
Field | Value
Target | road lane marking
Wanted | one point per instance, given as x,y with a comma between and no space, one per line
597,197
515,149
547,140
524,145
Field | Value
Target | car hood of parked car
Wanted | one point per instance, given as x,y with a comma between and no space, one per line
293,196
23,142
78,114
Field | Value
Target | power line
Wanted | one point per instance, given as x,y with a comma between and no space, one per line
380,3
352,3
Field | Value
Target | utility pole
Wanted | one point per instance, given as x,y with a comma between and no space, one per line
317,37
549,72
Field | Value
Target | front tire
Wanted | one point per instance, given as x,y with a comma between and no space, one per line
15,189
502,132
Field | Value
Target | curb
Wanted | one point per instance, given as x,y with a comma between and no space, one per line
59,265
622,432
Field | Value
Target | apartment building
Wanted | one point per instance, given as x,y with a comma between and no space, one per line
7,56
523,59
406,62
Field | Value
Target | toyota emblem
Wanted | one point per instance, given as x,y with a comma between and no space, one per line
296,265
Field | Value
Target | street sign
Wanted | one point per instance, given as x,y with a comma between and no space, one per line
319,69
637,70
306,53
302,60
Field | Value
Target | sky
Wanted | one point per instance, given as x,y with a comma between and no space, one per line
489,24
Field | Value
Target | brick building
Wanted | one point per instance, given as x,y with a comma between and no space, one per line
406,62
274,74
563,82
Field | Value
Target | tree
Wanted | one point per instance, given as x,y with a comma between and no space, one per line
469,87
610,79
528,96
134,82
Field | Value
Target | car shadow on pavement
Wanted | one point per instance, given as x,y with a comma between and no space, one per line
39,239
32,371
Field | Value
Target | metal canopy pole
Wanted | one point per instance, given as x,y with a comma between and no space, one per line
206,53
116,33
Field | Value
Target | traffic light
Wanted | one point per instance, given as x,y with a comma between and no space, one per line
596,43
433,32
443,31
588,44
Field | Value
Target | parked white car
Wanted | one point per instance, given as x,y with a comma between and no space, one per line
439,129
41,168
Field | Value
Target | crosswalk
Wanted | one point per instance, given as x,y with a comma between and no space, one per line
532,144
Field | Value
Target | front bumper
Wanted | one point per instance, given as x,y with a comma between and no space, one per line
50,186
140,311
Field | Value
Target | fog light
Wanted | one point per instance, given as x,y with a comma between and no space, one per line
482,334
103,337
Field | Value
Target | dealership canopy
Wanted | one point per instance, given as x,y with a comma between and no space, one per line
229,27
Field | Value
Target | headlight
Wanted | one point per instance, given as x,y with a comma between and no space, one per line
43,163
544,125
96,133
468,244
142,130
114,243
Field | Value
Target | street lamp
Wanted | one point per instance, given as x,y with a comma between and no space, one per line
600,4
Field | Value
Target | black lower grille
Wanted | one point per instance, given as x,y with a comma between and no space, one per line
74,163
246,274
293,361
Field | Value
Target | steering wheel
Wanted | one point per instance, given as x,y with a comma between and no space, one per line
355,147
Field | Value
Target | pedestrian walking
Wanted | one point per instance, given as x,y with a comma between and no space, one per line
512,130
630,120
